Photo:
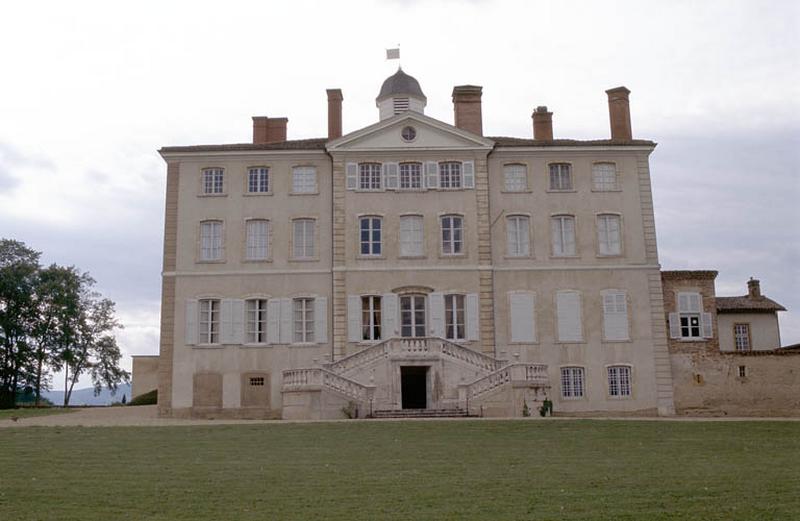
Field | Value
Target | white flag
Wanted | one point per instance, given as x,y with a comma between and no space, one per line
393,54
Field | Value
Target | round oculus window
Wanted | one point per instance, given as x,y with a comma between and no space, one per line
408,133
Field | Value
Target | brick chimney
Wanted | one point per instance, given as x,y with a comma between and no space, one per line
269,130
754,288
619,112
334,113
542,124
467,108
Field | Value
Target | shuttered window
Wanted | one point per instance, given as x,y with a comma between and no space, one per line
412,316
515,178
518,235
303,320
410,176
690,307
369,176
256,321
411,236
562,229
522,316
450,175
454,322
257,231
568,311
452,235
609,238
619,380
211,248
604,177
615,315
572,382
209,321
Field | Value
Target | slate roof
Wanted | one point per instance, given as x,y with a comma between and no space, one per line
293,144
747,304
503,141
401,83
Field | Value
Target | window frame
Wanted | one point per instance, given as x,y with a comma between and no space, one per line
450,251
526,183
453,175
314,240
249,180
517,217
568,375
628,373
602,187
371,318
413,314
366,170
307,331
304,168
267,240
370,243
420,172
209,322
257,318
562,167
204,181
748,337
451,316
689,314
220,248
604,216
561,218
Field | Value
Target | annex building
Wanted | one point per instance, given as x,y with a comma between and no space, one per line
417,265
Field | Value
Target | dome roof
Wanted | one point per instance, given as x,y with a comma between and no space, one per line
401,83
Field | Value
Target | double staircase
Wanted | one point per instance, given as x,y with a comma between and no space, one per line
469,379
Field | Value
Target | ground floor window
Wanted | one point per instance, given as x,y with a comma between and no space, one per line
454,317
412,316
256,321
370,318
619,380
209,321
303,320
572,382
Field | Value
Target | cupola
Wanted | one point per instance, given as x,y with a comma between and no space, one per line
399,93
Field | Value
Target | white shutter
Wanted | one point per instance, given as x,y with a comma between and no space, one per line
321,320
708,326
568,304
472,304
191,322
287,324
523,323
432,174
391,180
273,321
615,315
389,315
468,167
351,170
353,318
436,302
674,325
226,332
237,336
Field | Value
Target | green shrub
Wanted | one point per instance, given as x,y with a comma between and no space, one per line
150,398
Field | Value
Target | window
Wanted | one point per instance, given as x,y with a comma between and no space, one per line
615,315
209,321
604,177
257,239
369,176
741,337
450,175
411,236
518,231
371,318
212,181
452,235
619,380
742,371
454,317
563,231
303,320
256,321
257,381
303,243
412,316
516,178
408,133
609,239
560,176
211,241
304,180
258,180
690,308
370,235
410,176
572,379
568,316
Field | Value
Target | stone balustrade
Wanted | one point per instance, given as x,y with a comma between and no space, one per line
305,379
530,375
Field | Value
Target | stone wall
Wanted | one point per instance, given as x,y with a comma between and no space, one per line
144,376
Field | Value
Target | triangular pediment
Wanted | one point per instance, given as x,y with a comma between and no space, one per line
431,134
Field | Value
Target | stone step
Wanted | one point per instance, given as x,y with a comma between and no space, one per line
421,413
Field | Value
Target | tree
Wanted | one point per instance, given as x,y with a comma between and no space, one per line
18,268
85,341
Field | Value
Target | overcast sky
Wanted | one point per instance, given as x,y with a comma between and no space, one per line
90,90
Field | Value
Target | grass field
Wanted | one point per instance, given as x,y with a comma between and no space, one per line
362,470
29,412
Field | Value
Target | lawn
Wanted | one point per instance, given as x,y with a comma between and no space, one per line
29,412
368,470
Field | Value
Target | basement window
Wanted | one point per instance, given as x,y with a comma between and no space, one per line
257,381
742,371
